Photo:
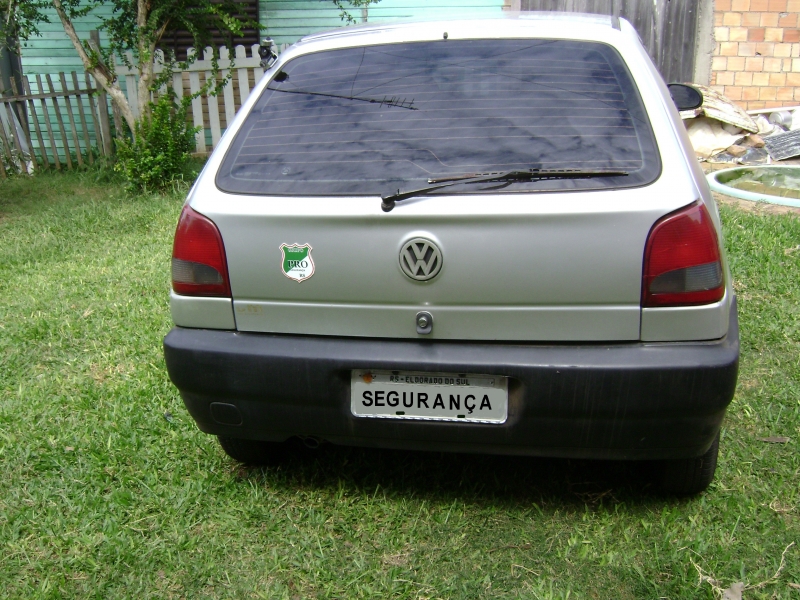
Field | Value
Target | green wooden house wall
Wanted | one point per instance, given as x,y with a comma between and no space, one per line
52,51
286,21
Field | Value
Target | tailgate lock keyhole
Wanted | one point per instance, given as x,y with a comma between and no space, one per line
424,322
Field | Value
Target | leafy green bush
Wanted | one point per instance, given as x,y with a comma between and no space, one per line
160,151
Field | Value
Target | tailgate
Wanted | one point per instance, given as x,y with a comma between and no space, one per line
550,267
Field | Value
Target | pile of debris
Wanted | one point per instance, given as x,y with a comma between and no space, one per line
721,132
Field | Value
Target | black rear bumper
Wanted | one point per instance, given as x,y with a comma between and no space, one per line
620,401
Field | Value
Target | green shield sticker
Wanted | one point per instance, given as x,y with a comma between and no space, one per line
296,261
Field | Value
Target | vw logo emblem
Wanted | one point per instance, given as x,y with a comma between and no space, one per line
420,259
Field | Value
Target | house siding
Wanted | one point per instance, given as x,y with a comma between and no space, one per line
287,21
52,51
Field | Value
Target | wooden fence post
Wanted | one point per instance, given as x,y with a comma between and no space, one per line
47,122
102,104
26,90
244,83
2,158
71,119
19,109
229,103
211,100
82,113
10,114
197,109
6,149
57,108
92,101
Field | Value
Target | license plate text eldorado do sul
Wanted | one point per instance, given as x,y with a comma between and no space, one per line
429,396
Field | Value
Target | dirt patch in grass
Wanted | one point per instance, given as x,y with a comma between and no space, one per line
758,208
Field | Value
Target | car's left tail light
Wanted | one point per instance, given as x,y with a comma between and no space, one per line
199,267
682,264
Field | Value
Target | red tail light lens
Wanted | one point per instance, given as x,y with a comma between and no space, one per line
682,265
199,267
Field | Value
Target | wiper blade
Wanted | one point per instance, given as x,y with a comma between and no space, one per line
533,175
388,201
394,101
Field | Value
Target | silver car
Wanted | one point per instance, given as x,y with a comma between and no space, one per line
477,236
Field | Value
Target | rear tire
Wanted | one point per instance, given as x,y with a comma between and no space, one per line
690,476
253,452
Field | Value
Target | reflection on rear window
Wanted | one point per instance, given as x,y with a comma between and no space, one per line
367,121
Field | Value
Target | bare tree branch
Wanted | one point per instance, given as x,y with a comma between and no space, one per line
96,68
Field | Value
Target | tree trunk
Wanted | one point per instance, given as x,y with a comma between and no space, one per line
100,72
145,59
143,88
147,56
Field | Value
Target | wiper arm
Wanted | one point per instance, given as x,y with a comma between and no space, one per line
385,101
388,201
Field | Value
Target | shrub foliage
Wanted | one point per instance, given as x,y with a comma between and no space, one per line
161,147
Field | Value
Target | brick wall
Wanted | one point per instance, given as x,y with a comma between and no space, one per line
756,59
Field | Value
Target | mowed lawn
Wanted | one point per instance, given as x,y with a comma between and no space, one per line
108,490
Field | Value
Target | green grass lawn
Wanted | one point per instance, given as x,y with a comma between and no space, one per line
108,490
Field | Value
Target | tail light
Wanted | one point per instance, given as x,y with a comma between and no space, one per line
199,267
682,265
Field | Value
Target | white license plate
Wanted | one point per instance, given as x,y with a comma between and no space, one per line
429,396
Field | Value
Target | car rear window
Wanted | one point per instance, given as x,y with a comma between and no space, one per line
375,119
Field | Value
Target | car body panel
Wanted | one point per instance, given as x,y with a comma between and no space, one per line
613,322
686,323
582,260
208,313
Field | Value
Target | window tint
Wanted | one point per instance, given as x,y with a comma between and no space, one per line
367,121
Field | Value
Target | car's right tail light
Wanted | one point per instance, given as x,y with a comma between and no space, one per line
682,265
199,267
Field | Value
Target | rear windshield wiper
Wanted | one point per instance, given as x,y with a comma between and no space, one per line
388,201
394,101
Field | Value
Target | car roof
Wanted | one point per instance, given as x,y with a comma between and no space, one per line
505,25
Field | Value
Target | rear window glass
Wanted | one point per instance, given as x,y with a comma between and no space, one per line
375,119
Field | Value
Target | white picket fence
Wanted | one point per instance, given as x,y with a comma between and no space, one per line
206,112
